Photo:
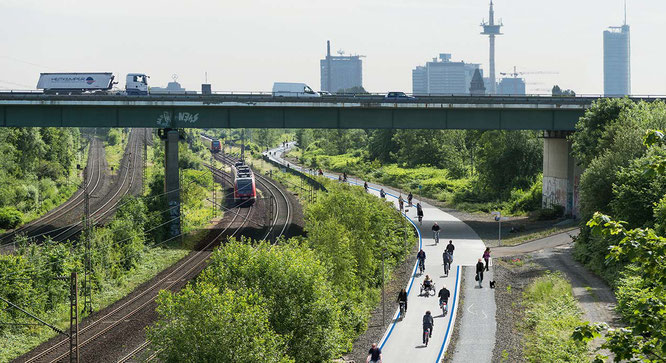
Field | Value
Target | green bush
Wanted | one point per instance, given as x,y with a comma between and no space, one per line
10,217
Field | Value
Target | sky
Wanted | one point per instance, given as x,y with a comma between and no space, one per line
249,44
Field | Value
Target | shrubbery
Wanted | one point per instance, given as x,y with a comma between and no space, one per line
314,293
10,217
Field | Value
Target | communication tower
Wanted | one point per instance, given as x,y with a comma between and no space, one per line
491,29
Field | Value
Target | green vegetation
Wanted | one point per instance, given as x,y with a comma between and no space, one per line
622,194
114,147
551,313
465,169
131,249
306,299
37,171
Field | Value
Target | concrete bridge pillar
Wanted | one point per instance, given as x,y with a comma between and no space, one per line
172,179
561,175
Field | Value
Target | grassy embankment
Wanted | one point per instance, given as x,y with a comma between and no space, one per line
550,316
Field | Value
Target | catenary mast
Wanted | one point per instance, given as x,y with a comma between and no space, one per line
491,29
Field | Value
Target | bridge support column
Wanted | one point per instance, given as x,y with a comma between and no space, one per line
561,175
172,180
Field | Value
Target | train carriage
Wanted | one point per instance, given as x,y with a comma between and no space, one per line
245,190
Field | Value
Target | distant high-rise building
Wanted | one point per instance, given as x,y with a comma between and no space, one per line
340,72
491,29
511,86
443,76
617,60
477,87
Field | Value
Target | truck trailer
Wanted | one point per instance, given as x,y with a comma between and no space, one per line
97,83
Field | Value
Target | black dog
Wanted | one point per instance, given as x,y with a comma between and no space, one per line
492,284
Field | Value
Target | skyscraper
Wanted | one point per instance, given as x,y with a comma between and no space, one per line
443,77
617,59
491,29
340,72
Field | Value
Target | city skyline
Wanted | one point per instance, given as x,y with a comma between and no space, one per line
248,46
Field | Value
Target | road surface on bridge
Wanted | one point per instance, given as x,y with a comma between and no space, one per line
402,341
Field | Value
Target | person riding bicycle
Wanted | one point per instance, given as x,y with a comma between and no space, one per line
450,247
421,256
365,186
382,193
401,202
402,298
344,177
321,172
428,324
435,232
427,283
444,295
409,199
448,260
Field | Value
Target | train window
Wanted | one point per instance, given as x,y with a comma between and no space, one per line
244,186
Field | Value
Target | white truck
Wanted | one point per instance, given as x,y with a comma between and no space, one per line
97,83
286,89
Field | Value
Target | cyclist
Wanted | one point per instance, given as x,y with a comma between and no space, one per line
428,323
402,298
435,232
448,260
344,177
401,202
419,212
444,295
382,193
409,199
421,256
374,354
365,186
450,247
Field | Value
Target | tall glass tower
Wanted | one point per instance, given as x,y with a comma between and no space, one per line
617,60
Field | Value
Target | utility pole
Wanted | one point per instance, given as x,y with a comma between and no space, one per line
74,319
87,264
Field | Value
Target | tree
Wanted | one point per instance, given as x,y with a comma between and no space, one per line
508,160
204,324
353,90
381,145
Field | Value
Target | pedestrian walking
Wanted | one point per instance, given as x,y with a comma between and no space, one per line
401,202
486,257
479,272
374,354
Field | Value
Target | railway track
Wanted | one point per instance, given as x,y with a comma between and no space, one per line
43,226
102,205
143,302
282,208
283,214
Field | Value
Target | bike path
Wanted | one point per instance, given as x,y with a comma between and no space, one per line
402,341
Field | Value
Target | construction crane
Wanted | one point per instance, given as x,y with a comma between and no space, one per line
342,53
515,73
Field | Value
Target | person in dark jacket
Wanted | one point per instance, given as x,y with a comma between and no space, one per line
450,247
402,297
444,295
374,354
428,324
479,271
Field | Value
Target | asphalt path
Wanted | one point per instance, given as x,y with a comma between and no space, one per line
402,341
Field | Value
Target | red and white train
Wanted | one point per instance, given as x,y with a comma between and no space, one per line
245,190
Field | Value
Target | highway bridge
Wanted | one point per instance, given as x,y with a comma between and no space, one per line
265,111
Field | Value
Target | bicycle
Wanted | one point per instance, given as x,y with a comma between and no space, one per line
426,335
447,267
435,235
443,306
403,309
421,266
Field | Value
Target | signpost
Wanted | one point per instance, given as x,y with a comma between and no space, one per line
499,218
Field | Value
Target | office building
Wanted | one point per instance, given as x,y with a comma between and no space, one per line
511,86
617,60
340,72
443,77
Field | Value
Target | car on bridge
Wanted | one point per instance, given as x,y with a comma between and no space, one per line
398,96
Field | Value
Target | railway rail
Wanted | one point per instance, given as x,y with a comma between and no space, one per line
144,301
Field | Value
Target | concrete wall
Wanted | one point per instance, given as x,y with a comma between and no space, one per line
561,175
